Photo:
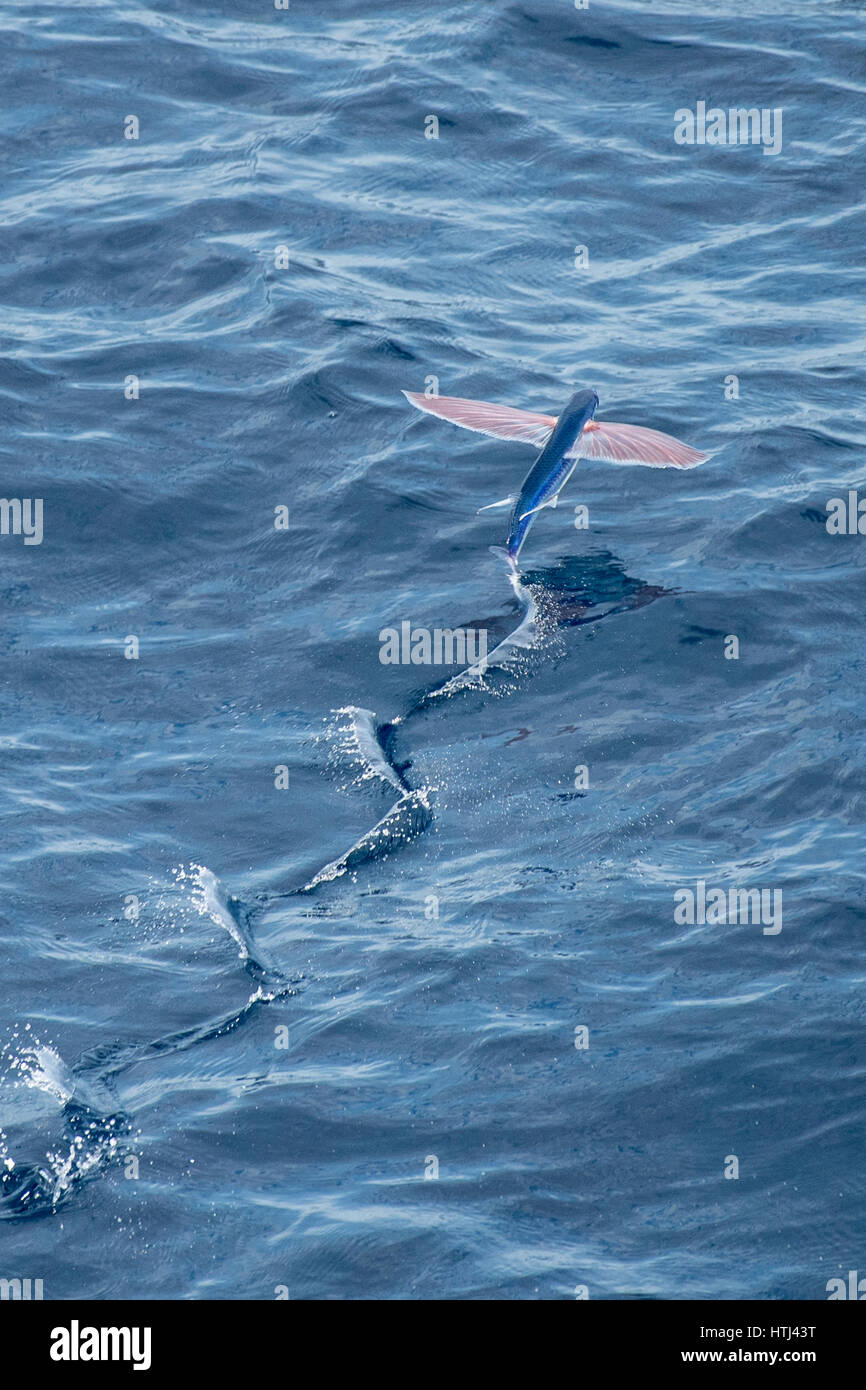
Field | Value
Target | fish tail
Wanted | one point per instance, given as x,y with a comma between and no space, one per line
507,554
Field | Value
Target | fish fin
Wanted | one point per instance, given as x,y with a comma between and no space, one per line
532,510
500,421
505,502
603,439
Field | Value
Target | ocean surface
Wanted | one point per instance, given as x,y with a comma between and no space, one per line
250,1049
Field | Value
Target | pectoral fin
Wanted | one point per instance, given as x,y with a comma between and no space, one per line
604,439
500,421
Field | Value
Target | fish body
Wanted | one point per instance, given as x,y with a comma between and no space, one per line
552,468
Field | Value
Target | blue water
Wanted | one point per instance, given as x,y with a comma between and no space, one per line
163,1136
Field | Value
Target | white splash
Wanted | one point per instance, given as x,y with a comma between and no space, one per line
357,739
510,650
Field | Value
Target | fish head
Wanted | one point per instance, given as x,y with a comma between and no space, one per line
582,407
573,419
